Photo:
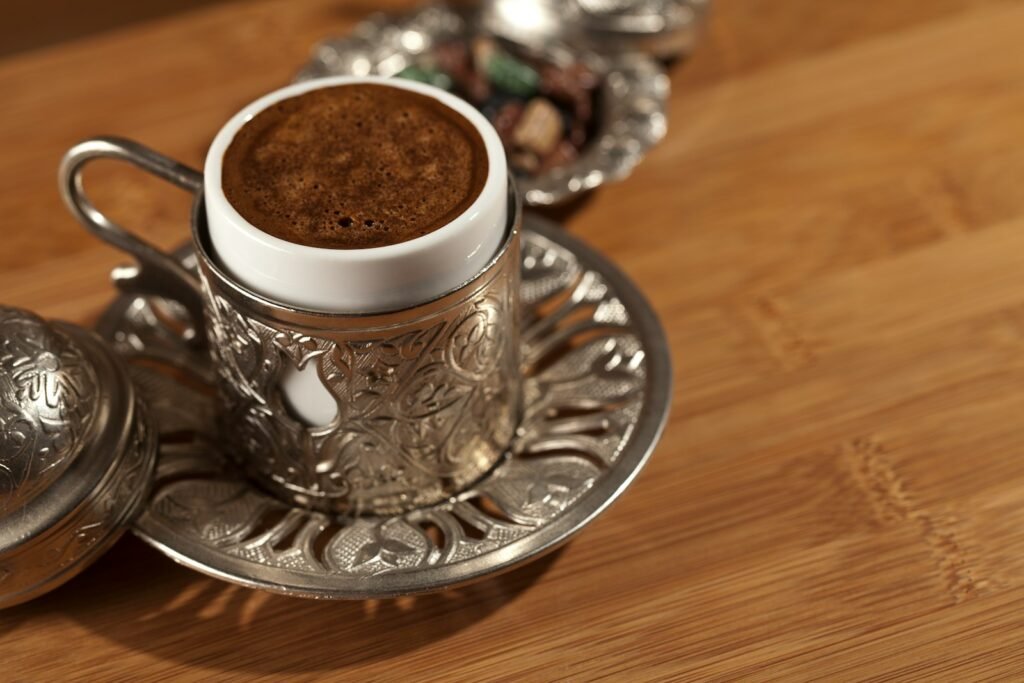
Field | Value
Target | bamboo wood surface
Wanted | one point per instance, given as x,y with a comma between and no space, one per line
833,234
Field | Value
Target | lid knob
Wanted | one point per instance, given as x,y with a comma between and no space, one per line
45,408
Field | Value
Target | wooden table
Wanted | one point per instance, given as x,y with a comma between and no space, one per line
833,234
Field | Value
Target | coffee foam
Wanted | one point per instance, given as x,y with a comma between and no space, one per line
354,166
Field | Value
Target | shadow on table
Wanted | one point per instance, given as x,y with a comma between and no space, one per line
139,599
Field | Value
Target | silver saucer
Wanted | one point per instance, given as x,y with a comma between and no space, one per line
597,390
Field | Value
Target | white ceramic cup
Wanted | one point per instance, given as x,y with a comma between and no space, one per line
350,281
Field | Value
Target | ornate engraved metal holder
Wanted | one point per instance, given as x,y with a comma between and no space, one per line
427,397
595,380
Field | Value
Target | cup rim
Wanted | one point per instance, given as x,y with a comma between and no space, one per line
213,164
270,307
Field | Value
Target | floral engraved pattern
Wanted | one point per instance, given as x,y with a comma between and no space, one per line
44,410
423,409
44,561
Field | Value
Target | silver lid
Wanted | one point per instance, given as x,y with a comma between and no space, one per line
76,452
661,28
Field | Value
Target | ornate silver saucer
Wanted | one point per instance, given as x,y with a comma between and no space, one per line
597,384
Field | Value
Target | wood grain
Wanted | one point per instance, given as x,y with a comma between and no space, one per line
833,233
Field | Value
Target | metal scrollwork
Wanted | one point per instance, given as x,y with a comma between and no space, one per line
424,407
45,561
45,411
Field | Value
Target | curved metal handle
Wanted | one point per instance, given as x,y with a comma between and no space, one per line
155,273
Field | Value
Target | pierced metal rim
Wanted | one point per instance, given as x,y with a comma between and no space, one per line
548,537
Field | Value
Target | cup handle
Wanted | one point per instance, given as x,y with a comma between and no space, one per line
155,272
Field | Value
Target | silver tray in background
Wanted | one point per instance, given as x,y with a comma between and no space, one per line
665,29
631,101
597,388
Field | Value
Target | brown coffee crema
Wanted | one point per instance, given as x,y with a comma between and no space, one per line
354,166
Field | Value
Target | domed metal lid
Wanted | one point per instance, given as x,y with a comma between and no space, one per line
661,28
76,452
